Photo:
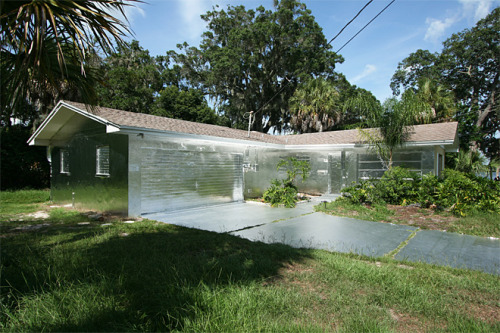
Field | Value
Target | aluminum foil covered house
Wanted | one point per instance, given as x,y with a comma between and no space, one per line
133,163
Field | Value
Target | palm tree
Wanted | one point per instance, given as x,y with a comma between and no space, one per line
394,125
471,162
45,46
315,106
441,100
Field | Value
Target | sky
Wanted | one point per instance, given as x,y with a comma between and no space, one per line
370,59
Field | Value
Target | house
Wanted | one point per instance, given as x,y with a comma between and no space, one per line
132,163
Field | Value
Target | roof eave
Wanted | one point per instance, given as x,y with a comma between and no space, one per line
33,141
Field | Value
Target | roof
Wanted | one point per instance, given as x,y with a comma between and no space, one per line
118,120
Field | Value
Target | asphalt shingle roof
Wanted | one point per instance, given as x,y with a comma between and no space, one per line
420,133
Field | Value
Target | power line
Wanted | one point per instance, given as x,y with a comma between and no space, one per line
288,81
373,19
345,26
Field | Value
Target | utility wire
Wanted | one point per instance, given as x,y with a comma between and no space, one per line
288,81
345,26
373,19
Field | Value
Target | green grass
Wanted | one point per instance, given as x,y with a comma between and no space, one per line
25,201
485,224
376,212
478,224
151,276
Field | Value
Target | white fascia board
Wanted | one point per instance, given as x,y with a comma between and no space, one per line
32,139
110,126
443,143
178,135
321,147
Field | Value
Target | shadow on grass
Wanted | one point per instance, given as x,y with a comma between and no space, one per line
128,277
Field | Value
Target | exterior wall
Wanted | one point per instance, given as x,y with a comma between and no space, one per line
151,173
174,172
260,169
104,193
331,169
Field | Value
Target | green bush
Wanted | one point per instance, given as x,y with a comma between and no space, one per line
281,193
398,186
363,192
284,191
464,192
460,192
427,190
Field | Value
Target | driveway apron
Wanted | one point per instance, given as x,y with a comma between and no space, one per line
302,227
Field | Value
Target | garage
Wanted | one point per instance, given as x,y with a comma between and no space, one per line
174,180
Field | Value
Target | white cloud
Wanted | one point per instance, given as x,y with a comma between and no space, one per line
437,28
476,9
471,10
189,12
369,69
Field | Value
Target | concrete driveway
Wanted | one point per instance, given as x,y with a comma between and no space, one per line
302,227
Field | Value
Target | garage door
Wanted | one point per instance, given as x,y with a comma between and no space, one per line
173,180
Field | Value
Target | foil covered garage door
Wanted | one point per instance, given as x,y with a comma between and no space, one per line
174,180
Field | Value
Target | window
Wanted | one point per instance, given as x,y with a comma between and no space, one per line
102,161
64,153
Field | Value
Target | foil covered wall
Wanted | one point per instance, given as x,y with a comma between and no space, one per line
80,185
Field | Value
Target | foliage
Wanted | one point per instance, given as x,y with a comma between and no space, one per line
252,60
281,193
131,79
470,162
344,206
464,192
294,168
461,193
325,104
45,46
22,166
360,193
397,186
186,104
315,106
468,66
394,125
284,191
440,100
137,82
360,109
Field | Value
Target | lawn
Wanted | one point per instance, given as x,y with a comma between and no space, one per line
68,273
484,224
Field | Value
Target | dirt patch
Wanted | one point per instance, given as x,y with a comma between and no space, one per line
406,323
423,218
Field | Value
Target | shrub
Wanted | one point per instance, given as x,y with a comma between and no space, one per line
460,192
360,193
427,190
285,191
281,193
464,192
398,186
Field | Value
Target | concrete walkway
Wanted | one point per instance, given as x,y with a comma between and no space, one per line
302,227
